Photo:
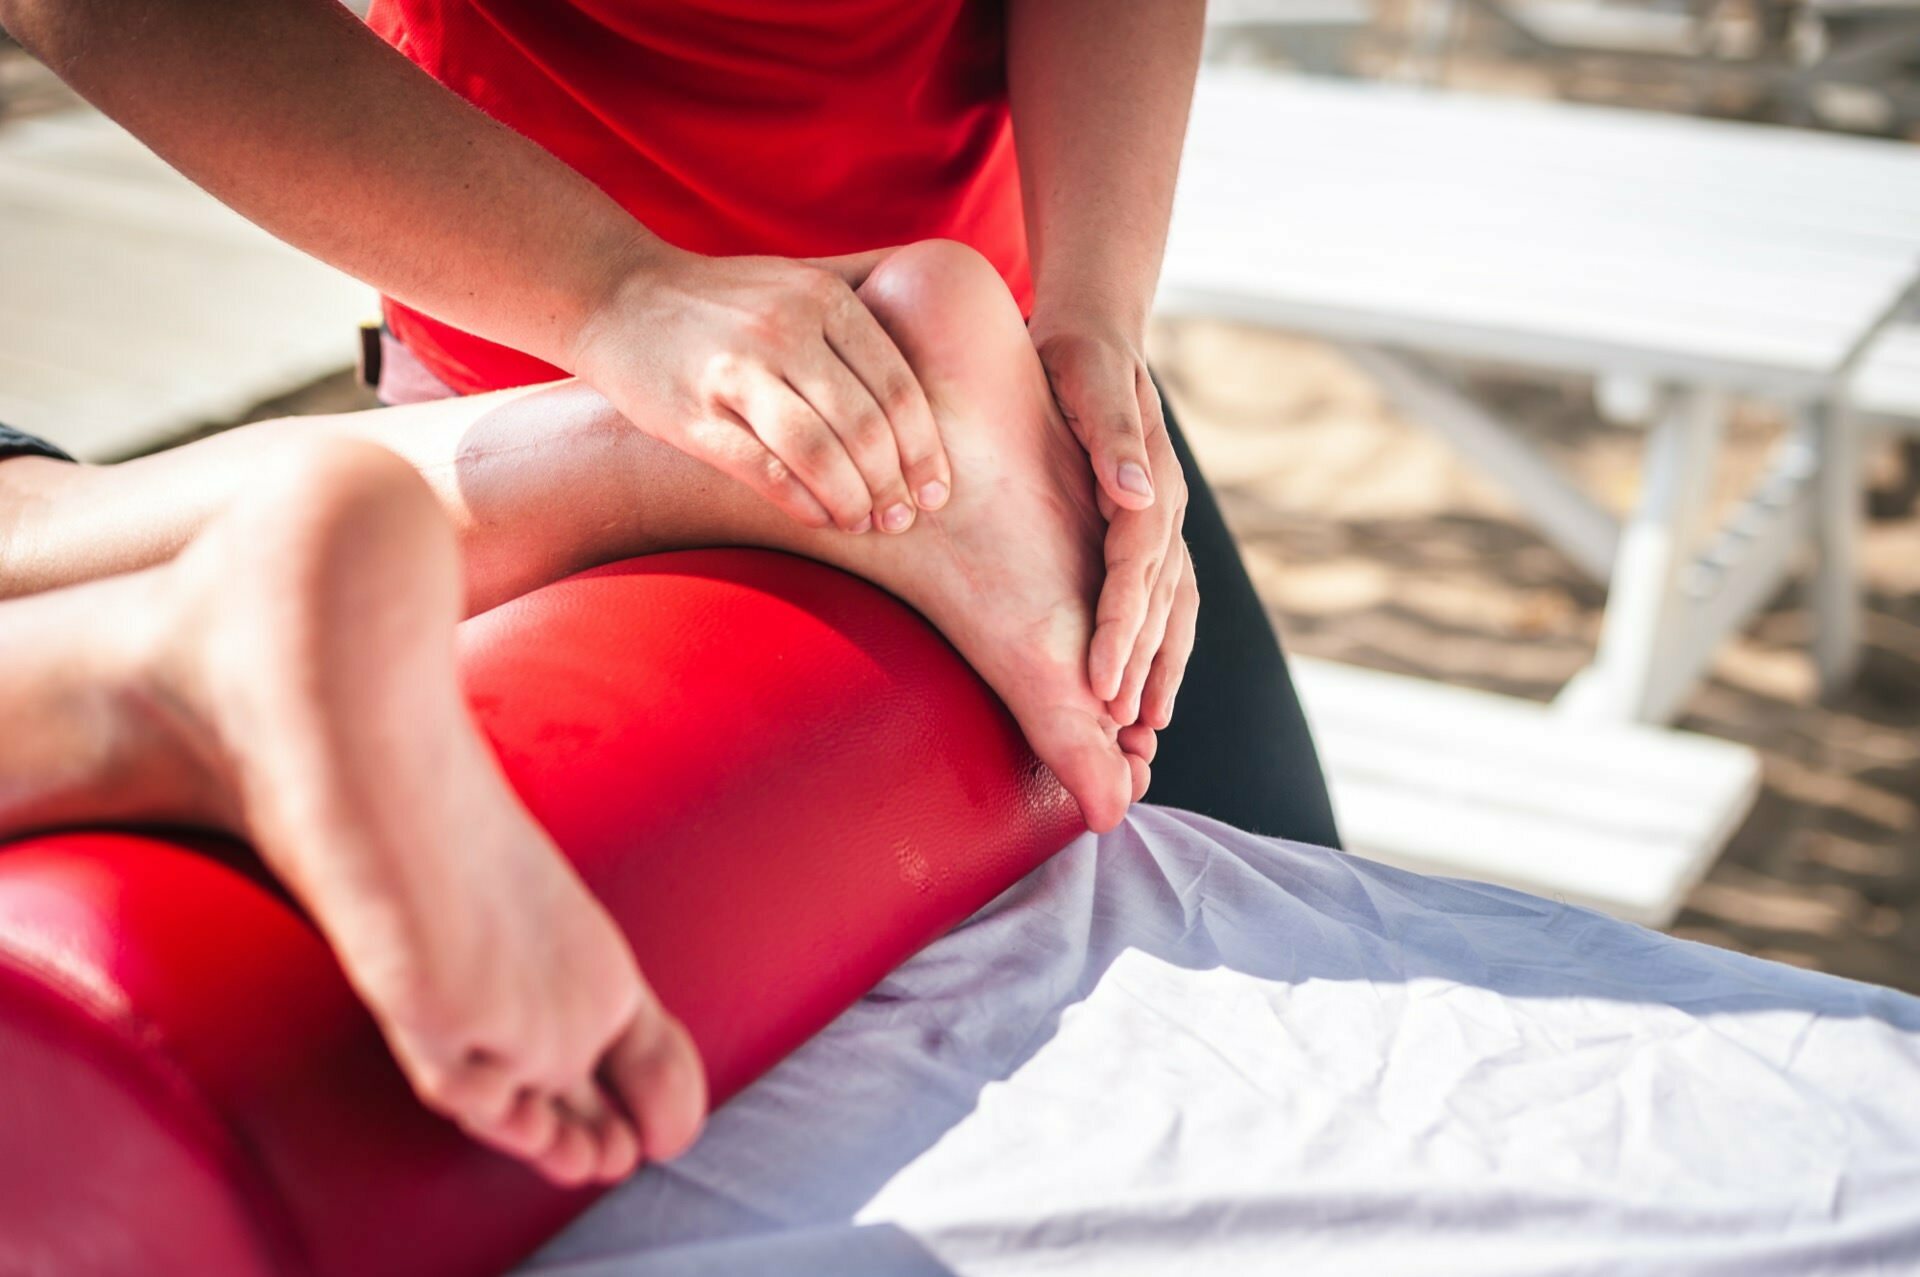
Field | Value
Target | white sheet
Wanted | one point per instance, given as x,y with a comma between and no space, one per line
1185,1049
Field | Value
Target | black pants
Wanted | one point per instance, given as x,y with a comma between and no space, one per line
1238,748
18,443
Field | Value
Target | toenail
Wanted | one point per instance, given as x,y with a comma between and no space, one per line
933,494
897,517
865,524
1134,479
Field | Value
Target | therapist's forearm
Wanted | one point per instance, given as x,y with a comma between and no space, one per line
1100,94
304,121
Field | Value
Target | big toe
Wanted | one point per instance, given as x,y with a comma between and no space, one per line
1083,753
656,1071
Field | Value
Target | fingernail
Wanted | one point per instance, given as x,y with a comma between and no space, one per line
1134,479
896,517
933,494
865,524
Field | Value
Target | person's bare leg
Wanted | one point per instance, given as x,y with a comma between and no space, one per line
289,677
1009,569
545,481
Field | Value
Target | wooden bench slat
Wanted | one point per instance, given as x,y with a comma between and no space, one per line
1823,172
1420,299
1448,779
1572,212
1887,383
1800,293
1677,248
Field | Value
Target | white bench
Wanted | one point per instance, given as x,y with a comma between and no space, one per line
1675,261
1621,818
1886,387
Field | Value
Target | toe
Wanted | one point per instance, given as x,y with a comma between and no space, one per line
570,1159
527,1130
482,1091
619,1152
656,1072
1089,762
616,1145
1140,741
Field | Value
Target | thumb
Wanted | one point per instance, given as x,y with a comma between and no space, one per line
1094,386
853,268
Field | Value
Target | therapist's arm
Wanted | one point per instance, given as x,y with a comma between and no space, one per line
303,120
1100,95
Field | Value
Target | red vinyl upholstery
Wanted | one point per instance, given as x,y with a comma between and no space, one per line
781,782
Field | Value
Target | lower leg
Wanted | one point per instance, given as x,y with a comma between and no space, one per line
290,677
1008,570
543,482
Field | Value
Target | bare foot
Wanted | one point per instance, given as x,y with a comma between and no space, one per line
304,660
1009,570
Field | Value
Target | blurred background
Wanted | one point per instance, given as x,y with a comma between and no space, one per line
1560,351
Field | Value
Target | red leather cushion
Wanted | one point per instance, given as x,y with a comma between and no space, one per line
780,780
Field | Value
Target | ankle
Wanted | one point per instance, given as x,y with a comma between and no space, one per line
159,670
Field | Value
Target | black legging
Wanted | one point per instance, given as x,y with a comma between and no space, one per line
1238,748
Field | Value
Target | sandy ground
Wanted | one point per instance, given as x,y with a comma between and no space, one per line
1372,544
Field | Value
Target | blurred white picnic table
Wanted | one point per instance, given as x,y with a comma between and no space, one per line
1676,261
1846,64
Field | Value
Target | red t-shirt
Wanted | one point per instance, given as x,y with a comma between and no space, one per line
798,128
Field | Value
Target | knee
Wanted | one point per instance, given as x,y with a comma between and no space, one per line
939,289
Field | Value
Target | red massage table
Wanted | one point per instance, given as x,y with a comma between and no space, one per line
781,782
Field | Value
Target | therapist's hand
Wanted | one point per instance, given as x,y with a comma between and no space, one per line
771,371
1144,621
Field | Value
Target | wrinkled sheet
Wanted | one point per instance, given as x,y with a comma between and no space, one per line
1179,1048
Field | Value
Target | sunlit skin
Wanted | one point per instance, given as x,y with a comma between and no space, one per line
277,109
278,663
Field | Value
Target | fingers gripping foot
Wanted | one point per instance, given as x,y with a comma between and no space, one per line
1009,569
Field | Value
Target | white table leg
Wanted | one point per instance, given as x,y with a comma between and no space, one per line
1626,682
1431,27
1837,514
1573,521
